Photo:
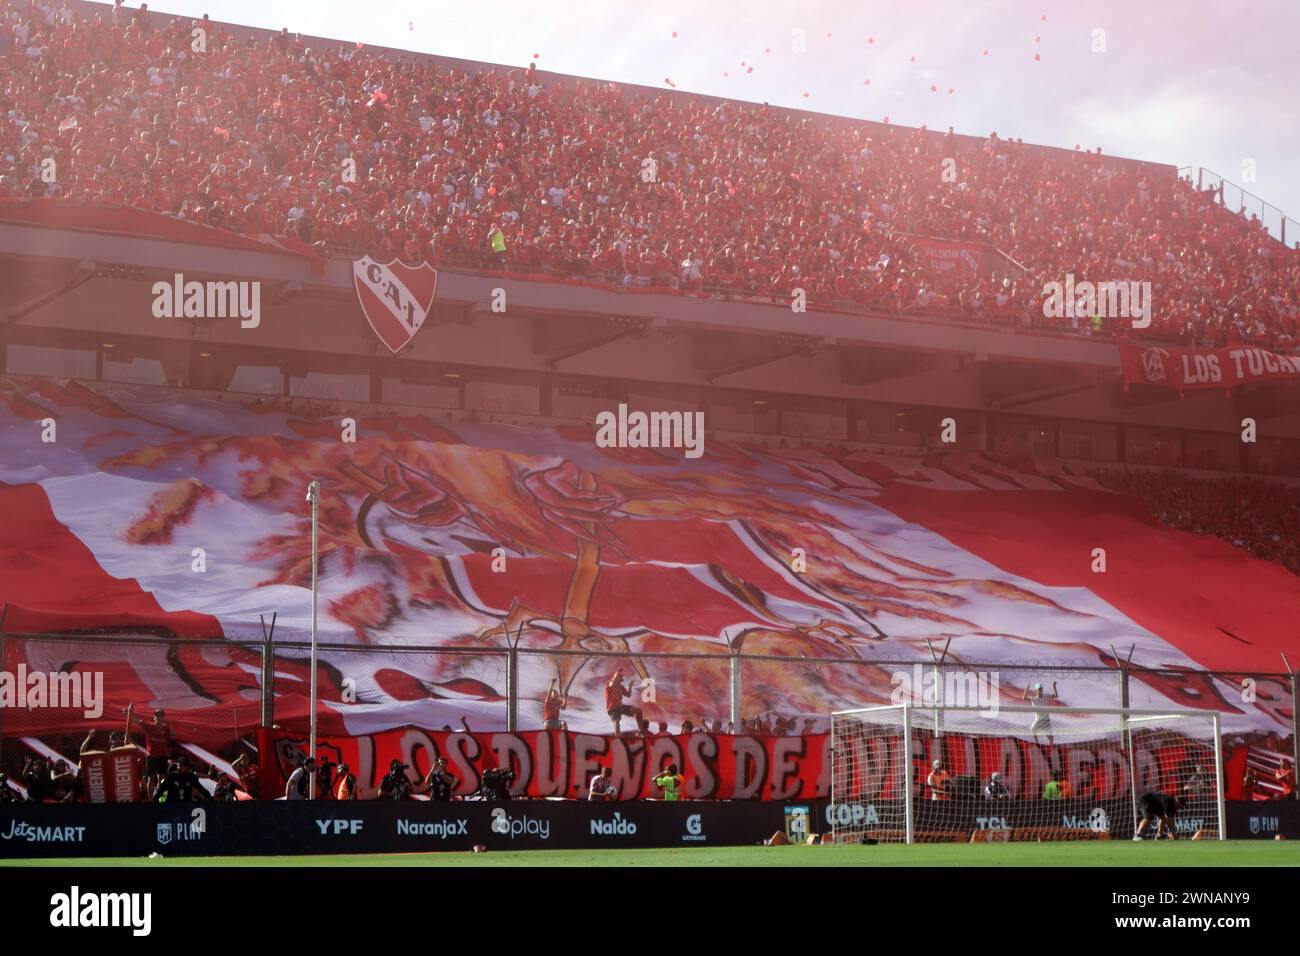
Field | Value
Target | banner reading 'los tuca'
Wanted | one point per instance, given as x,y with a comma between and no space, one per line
1182,369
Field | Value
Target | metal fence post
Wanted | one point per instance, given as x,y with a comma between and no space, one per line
268,673
267,716
512,688
734,690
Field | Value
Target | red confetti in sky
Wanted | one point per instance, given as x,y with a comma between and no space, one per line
871,39
805,94
951,90
934,89
1037,57
537,56
749,69
674,34
866,82
886,119
913,57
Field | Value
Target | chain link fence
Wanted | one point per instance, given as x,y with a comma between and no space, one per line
216,693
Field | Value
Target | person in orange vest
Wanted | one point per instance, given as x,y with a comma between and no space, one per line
345,783
938,782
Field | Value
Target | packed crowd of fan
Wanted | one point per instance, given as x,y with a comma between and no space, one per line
583,180
1258,516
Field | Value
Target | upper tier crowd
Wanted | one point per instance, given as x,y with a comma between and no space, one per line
576,179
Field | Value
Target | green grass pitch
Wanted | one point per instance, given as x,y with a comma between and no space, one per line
1101,853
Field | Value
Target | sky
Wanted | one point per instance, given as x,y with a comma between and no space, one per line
1191,85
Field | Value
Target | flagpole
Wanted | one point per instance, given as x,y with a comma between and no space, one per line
313,495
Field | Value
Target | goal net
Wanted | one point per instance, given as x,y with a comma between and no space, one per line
911,773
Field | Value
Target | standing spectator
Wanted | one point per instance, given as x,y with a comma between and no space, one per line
345,783
438,784
670,782
1038,699
180,785
247,769
297,787
995,789
552,704
937,781
158,746
36,778
325,780
615,691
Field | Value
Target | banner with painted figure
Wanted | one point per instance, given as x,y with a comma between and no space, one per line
1185,369
149,511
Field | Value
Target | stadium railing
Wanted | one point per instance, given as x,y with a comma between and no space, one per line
241,684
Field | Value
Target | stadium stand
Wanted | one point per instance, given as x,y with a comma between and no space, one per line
503,171
506,169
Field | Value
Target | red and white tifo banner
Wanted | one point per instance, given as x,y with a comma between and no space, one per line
941,255
1173,367
396,298
726,767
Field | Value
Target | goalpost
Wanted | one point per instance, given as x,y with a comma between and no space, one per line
1022,773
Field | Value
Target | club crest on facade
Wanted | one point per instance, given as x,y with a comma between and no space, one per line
396,298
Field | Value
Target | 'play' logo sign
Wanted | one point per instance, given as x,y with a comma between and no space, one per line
395,297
